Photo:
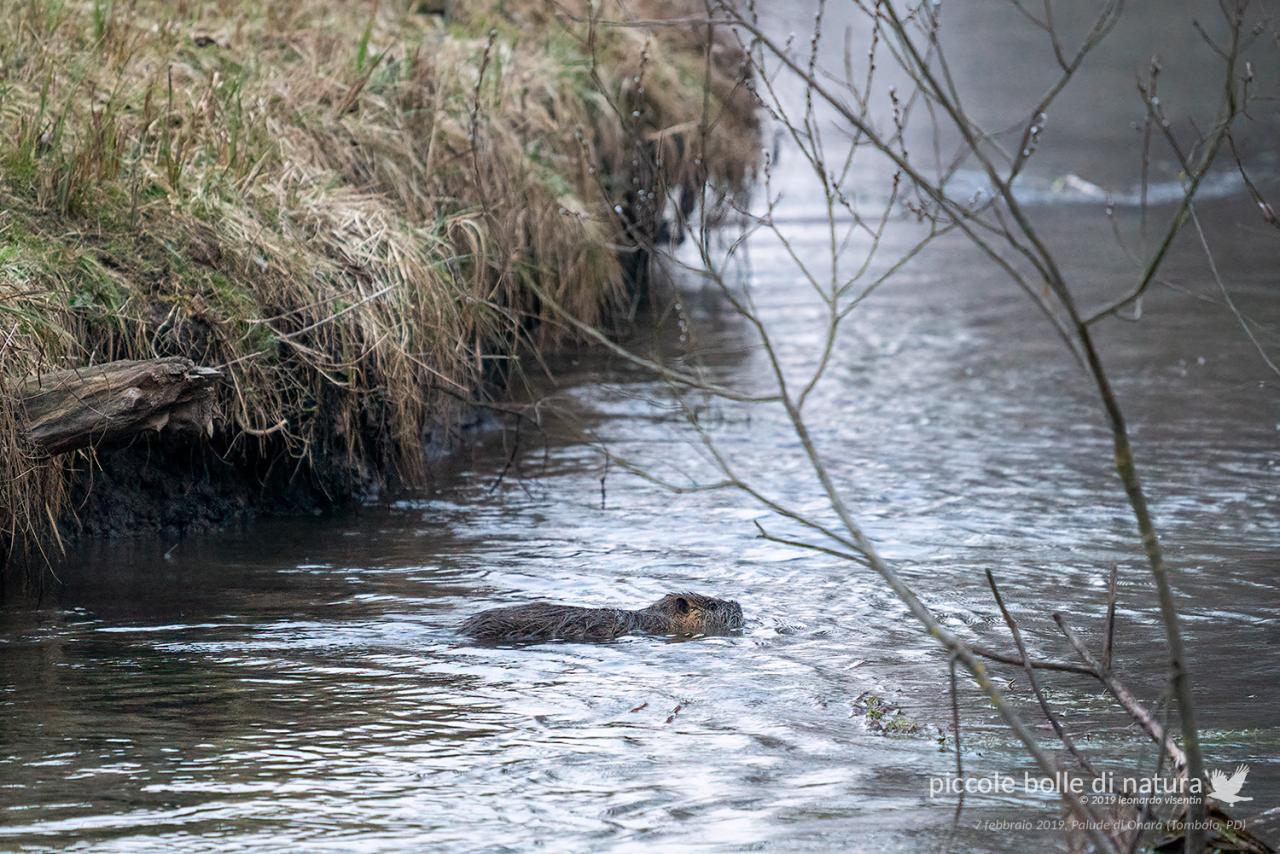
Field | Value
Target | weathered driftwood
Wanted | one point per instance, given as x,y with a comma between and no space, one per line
108,403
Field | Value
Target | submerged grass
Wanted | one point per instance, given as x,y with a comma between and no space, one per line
344,205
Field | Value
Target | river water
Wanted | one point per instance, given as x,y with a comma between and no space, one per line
300,684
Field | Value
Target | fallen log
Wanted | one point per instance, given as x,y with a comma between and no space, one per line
111,402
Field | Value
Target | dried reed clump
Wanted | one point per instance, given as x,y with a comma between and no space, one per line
343,204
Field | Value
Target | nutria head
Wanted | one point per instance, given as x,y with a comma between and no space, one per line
694,614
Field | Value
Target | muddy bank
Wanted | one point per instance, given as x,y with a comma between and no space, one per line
169,486
357,225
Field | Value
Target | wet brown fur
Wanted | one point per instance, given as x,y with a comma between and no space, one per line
681,614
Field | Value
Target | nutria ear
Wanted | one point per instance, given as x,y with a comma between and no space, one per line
682,605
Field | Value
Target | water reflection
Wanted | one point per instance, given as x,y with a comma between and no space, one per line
300,684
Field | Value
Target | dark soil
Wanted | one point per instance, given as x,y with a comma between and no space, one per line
169,486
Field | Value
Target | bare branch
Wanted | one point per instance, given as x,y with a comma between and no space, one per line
1058,729
1126,699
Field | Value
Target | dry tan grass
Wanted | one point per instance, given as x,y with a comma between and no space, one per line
344,204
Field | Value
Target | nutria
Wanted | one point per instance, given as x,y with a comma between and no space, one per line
681,614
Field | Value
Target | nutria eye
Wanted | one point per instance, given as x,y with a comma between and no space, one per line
682,605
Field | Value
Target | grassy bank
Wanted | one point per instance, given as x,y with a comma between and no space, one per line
343,205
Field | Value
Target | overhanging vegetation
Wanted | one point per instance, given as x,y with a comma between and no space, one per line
342,206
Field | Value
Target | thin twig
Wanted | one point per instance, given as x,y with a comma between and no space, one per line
1126,699
1109,627
955,727
1058,729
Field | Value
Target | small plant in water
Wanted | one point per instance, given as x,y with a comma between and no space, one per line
882,716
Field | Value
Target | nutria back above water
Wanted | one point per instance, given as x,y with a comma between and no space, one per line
682,614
